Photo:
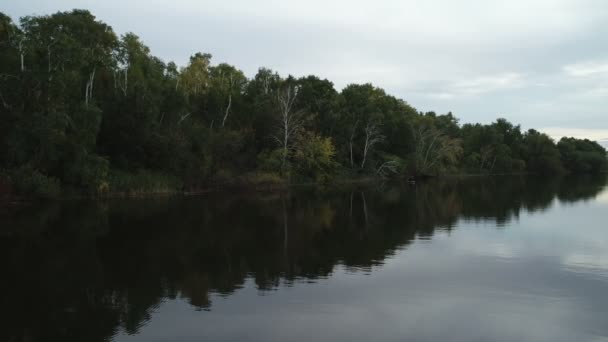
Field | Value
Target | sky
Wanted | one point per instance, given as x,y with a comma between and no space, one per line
539,63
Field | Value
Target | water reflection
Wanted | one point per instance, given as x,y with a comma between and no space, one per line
83,271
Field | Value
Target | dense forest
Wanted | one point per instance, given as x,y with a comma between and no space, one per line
84,109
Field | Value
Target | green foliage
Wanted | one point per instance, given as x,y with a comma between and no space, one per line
84,108
30,182
541,154
494,148
436,152
582,155
263,180
226,150
270,160
141,182
314,157
392,166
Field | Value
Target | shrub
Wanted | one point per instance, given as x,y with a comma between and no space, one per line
270,161
88,172
263,179
314,157
30,182
141,182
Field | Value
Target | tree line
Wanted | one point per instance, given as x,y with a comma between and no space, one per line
82,108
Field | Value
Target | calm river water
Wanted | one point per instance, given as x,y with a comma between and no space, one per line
462,259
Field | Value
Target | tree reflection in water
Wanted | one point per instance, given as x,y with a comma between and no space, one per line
83,270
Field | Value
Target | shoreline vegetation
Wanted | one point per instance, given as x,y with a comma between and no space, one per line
83,110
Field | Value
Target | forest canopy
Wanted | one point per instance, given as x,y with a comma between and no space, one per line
82,108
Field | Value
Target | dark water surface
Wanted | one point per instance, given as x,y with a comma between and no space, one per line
471,259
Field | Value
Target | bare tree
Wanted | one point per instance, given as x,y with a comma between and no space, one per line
22,54
387,168
89,87
266,85
229,105
351,143
372,137
121,73
227,110
434,149
124,81
290,119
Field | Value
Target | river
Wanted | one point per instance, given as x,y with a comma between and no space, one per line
457,259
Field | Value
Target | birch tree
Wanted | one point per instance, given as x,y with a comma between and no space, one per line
226,87
351,142
67,50
195,77
135,67
290,119
372,138
435,151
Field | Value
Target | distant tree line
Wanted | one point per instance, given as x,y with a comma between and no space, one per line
83,108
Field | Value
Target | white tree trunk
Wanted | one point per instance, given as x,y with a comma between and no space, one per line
290,119
372,137
430,148
126,81
227,110
230,84
350,144
22,55
266,85
89,87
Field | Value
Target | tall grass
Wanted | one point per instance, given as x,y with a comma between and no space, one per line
139,183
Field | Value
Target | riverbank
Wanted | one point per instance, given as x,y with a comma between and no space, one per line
147,184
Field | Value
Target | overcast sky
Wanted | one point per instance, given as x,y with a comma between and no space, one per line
541,63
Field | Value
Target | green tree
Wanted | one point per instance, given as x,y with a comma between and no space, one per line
582,155
541,154
314,157
80,107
